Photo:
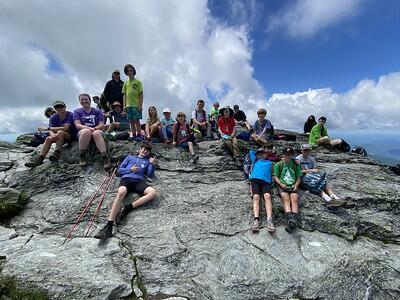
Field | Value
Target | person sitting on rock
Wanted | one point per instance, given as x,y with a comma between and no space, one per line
315,180
183,135
226,127
152,123
167,126
260,179
309,124
89,122
62,130
49,111
200,120
287,175
240,117
119,119
132,170
263,129
319,134
214,116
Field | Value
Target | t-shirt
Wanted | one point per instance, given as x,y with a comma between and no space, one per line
56,121
261,168
132,89
290,172
263,127
306,163
239,116
316,133
152,121
199,115
91,118
214,112
226,125
117,117
167,123
182,132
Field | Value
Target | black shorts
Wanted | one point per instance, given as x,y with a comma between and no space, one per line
134,186
260,187
289,191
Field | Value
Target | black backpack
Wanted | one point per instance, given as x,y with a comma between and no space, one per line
359,150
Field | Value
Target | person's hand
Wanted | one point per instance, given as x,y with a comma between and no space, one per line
148,136
42,129
294,189
123,113
282,186
134,169
54,138
152,160
174,143
92,129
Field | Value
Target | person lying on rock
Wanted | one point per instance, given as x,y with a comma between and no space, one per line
315,180
226,127
133,170
319,134
183,136
89,122
263,129
261,179
287,175
62,130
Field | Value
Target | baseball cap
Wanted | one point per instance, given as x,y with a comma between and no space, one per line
116,71
58,102
116,103
166,110
306,147
288,150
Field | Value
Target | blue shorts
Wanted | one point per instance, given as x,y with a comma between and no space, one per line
124,126
184,145
133,113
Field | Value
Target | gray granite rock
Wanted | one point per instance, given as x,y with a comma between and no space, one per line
193,241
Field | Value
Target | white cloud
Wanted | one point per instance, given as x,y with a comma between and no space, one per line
177,47
368,105
305,18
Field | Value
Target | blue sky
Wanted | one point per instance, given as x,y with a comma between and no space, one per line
366,45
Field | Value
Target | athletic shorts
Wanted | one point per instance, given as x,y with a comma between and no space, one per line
289,191
134,186
260,187
124,126
184,145
133,113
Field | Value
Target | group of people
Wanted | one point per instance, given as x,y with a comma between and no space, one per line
122,104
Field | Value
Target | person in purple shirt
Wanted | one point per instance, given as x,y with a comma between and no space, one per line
133,171
62,130
89,122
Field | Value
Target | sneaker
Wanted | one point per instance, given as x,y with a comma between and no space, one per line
106,163
255,227
335,203
270,225
122,216
292,223
104,233
34,163
195,159
55,156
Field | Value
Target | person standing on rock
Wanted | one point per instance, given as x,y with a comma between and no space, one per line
226,128
315,180
287,175
133,101
113,91
133,170
319,134
62,129
260,179
89,122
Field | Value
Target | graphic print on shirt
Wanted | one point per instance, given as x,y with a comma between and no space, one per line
89,120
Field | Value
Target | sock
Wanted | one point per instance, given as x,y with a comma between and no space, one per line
256,218
326,197
128,208
110,223
334,196
269,218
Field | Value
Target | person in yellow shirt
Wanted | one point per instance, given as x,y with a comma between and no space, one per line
133,100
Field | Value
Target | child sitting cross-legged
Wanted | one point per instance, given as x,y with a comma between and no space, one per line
183,135
261,179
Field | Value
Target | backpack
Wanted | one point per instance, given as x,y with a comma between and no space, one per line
341,145
395,169
359,150
247,165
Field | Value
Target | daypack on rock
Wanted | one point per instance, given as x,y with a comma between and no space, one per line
359,150
314,182
340,145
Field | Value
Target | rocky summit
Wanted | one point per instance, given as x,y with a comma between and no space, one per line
194,241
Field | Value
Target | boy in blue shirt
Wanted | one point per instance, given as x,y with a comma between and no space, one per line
260,180
133,170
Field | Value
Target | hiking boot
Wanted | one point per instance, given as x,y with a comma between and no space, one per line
104,233
255,227
120,219
335,203
82,159
55,156
292,223
195,159
36,162
106,163
270,225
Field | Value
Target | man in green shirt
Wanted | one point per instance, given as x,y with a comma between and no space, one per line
319,133
287,175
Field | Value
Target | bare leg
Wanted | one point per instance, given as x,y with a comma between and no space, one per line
137,126
268,204
191,150
148,195
286,202
256,205
294,202
99,140
46,146
85,135
61,137
116,207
